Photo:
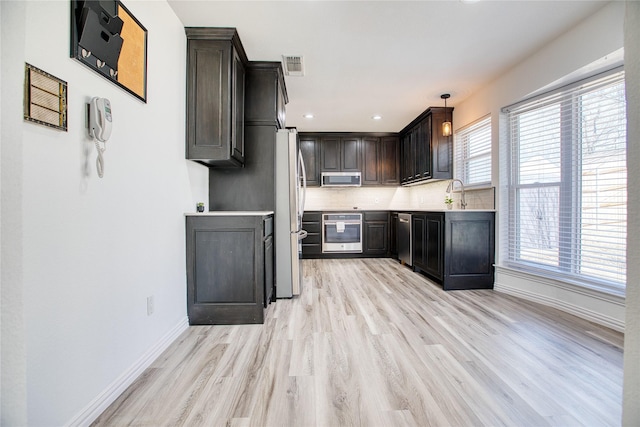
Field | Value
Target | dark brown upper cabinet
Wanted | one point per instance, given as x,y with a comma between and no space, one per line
375,155
380,160
425,153
266,95
310,149
216,64
340,154
441,146
370,160
390,160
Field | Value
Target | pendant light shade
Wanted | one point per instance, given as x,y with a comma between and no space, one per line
446,125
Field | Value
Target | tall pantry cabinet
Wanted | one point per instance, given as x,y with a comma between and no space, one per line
234,110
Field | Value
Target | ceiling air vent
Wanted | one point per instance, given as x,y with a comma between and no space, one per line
293,65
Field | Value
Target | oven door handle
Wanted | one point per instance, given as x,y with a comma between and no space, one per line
344,222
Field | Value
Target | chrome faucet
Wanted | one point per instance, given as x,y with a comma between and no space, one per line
463,202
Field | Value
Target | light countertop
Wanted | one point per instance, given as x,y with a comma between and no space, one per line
348,210
444,210
229,213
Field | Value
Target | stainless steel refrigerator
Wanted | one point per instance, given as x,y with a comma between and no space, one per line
291,187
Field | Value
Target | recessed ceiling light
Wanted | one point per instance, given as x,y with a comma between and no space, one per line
377,117
308,116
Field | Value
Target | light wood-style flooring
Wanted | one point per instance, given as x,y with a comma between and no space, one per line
370,343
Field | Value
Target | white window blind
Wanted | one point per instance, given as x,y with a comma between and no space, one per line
567,190
472,160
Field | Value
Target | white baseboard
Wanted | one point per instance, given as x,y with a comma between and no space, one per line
101,402
553,300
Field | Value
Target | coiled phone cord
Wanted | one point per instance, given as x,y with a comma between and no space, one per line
100,158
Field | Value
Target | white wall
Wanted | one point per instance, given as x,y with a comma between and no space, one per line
631,409
597,37
82,254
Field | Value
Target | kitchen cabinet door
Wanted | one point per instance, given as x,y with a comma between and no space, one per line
237,104
350,154
423,150
227,268
434,241
269,275
389,161
380,161
310,149
371,161
416,152
407,158
330,154
215,96
393,234
441,146
376,240
428,244
339,154
418,236
469,250
375,233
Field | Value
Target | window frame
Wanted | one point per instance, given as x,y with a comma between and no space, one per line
570,214
461,150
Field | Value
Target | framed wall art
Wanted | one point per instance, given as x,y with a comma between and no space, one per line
107,38
45,98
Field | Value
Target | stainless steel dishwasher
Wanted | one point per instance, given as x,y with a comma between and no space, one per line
405,244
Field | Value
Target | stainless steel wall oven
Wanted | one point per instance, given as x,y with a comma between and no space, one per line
342,233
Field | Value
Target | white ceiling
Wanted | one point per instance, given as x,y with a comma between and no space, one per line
392,58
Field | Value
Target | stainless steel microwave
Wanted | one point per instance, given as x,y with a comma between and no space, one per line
341,179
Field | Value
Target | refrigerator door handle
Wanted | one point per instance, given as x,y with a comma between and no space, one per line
303,173
302,234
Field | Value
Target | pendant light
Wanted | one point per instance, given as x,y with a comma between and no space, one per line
446,125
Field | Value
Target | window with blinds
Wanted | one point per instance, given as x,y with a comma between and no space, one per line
472,158
567,191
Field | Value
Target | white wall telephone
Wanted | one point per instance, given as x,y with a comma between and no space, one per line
100,124
100,119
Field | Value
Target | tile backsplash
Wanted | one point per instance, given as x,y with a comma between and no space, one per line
424,196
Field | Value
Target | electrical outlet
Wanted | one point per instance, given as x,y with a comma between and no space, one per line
150,305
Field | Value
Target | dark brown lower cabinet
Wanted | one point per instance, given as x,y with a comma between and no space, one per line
375,236
455,249
375,230
229,268
312,244
428,243
393,234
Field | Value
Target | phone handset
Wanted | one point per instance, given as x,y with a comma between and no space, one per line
100,124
